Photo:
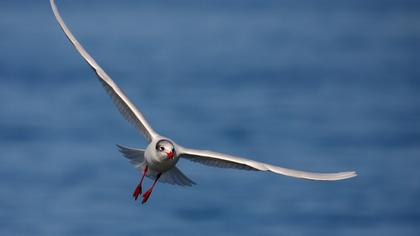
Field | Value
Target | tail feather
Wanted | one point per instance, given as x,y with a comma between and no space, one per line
134,155
175,176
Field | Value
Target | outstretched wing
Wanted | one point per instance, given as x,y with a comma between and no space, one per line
227,161
124,105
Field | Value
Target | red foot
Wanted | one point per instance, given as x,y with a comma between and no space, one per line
137,192
138,189
146,196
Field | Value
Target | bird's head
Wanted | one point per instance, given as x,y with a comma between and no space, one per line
165,148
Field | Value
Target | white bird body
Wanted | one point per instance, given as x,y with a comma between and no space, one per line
158,161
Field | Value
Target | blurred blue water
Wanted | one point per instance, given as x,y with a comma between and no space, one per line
313,85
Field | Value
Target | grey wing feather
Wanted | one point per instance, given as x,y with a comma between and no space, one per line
217,162
227,161
124,105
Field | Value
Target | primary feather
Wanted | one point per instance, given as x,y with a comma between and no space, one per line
227,161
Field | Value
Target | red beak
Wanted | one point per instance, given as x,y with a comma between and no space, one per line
170,155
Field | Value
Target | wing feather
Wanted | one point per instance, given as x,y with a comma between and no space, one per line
124,105
227,161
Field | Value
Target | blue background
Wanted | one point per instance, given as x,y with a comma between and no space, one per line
311,85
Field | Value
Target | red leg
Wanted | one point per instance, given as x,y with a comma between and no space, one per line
138,189
147,194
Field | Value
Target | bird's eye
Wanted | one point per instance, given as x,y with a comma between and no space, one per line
161,148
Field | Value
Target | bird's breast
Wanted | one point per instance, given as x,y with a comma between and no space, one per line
158,163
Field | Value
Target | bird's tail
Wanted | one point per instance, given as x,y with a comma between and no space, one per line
175,176
134,155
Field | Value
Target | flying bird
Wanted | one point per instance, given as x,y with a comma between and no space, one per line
158,160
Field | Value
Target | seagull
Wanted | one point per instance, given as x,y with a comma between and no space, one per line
158,160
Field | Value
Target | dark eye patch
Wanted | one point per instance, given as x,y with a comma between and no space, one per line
160,146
